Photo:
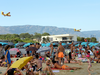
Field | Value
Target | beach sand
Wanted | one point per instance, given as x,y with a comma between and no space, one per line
83,71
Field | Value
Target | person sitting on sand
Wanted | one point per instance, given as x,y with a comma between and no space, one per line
56,65
2,61
29,69
97,59
13,71
38,63
48,68
72,62
95,53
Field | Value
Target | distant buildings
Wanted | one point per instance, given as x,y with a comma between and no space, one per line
64,38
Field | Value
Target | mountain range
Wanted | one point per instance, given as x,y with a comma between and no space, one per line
49,29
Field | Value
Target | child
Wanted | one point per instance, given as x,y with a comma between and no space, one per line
89,64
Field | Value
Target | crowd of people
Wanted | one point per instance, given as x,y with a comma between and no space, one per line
55,58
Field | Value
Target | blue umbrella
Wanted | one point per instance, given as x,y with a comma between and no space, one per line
3,43
27,44
84,43
76,45
48,44
63,43
43,44
15,45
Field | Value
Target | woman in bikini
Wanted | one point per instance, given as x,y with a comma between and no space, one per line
56,65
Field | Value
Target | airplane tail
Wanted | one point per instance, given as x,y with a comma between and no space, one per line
8,15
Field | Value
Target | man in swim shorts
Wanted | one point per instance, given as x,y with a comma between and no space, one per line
60,52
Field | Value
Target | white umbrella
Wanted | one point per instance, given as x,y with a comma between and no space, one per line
43,49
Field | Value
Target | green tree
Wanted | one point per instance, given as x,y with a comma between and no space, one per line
45,34
78,39
88,39
93,39
82,39
44,40
47,39
22,36
32,37
17,40
37,36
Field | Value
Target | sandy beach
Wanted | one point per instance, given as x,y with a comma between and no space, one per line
83,71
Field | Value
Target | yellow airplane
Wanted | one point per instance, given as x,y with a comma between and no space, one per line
77,30
8,14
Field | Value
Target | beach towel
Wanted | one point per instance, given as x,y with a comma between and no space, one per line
59,69
56,71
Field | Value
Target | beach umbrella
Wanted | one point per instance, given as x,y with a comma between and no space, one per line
48,44
20,44
14,50
44,49
65,46
10,43
97,47
63,43
98,44
31,49
25,45
55,44
3,43
43,44
76,45
21,62
84,43
15,45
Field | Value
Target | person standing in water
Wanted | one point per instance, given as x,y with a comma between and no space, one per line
60,52
7,56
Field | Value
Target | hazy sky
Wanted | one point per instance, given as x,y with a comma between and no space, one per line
80,14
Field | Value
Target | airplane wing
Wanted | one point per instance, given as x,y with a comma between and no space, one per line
7,14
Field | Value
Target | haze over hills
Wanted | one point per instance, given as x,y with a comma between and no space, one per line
49,29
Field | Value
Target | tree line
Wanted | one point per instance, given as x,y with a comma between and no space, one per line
23,37
26,37
83,39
